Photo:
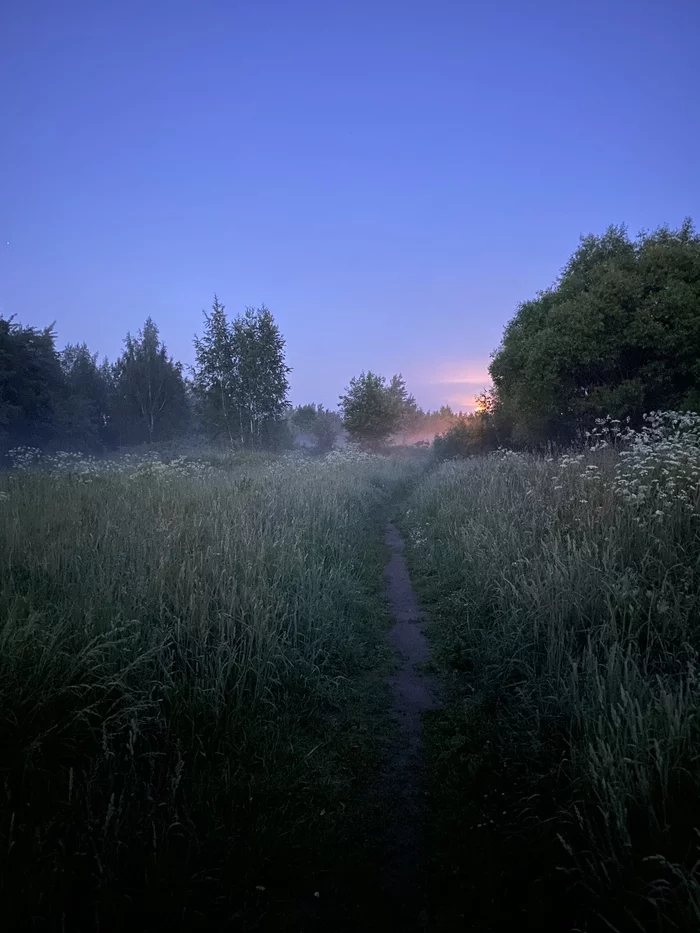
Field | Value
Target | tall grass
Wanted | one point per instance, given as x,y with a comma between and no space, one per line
178,644
566,598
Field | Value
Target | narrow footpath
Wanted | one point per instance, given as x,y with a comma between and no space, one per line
413,692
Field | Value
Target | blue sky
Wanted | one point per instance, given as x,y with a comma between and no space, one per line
390,178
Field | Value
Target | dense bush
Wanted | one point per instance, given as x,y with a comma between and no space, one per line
469,435
617,334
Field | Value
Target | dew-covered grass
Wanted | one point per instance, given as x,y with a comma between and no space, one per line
183,694
565,597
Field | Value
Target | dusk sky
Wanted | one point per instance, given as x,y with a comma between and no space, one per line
389,178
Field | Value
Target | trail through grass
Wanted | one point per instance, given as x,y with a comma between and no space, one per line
194,715
564,598
413,692
189,697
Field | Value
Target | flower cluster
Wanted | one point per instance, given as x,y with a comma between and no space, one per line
350,454
62,463
659,465
301,461
85,467
180,467
570,461
608,432
504,455
24,458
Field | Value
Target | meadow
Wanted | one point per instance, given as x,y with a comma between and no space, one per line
184,703
564,595
193,702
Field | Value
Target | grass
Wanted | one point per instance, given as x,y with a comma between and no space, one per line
565,601
193,699
190,688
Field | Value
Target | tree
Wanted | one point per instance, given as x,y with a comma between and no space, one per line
406,412
85,417
241,376
262,384
618,334
31,384
321,423
216,374
149,390
373,411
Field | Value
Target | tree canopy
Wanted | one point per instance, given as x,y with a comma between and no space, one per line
241,376
86,411
31,383
373,410
322,424
149,388
618,334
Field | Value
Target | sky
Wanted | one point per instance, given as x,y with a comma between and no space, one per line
390,177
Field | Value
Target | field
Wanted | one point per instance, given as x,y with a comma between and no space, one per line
185,706
193,693
564,596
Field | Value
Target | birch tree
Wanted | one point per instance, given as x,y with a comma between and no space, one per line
241,375
150,394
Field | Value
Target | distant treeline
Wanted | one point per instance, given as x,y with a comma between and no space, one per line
236,392
618,335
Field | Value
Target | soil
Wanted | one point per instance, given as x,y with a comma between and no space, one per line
413,692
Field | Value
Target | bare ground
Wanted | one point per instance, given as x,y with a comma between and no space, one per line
413,692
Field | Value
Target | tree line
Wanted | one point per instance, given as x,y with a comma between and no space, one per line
616,335
236,394
236,391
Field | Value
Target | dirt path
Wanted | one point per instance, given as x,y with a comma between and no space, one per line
412,693
385,888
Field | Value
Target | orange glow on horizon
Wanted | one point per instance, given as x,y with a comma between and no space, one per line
465,403
451,382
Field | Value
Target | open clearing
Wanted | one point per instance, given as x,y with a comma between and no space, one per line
219,710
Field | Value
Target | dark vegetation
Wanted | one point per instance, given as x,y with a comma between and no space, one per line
192,653
234,397
236,392
191,695
617,335
564,592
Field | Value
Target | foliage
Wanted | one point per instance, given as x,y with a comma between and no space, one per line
184,715
85,419
374,410
150,399
564,597
321,423
241,376
435,422
68,399
215,373
470,434
405,410
618,334
30,383
51,398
